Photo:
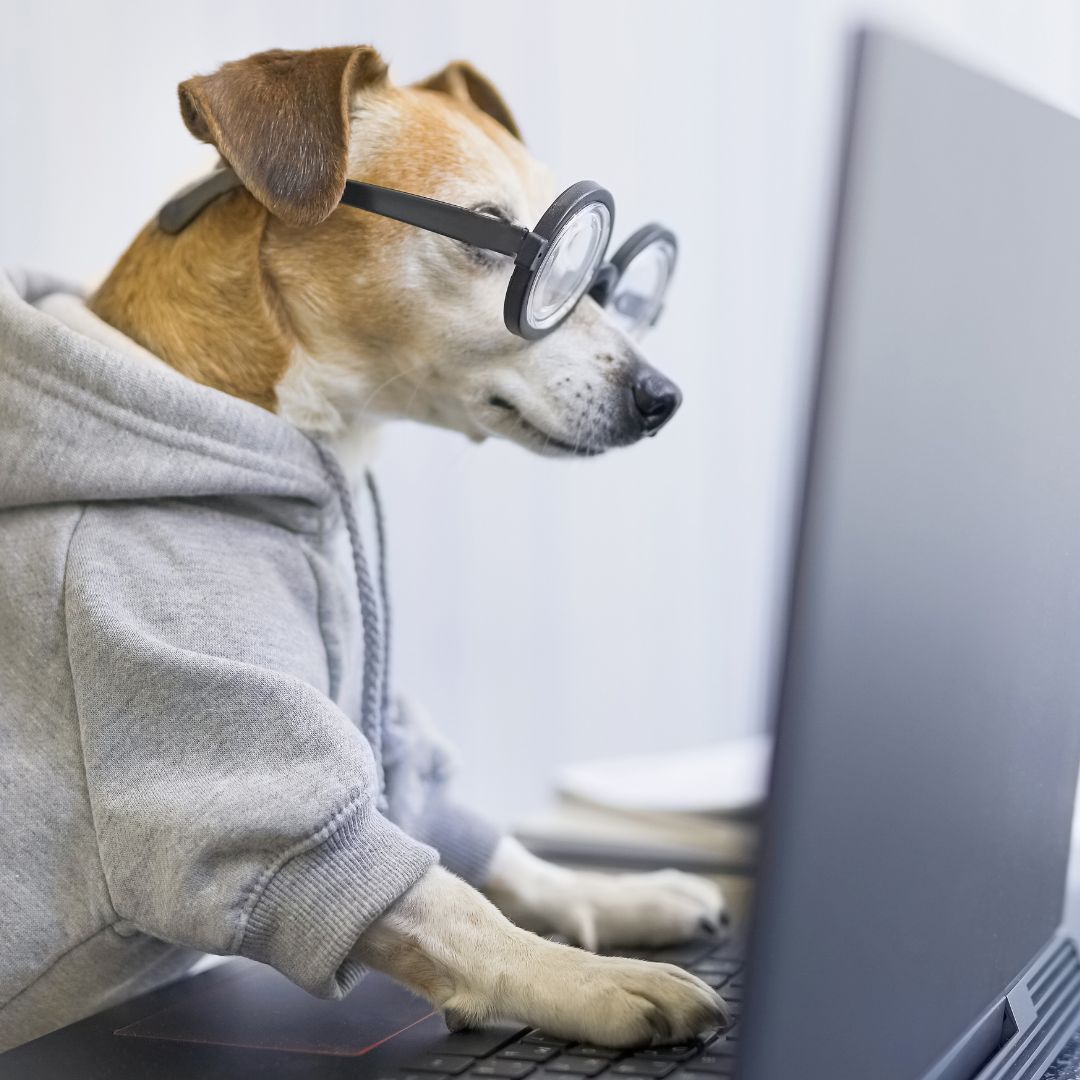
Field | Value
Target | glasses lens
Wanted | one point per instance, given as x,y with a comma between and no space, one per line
635,301
568,266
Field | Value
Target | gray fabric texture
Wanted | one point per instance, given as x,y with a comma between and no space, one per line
182,670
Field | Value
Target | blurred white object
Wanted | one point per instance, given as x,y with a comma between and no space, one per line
727,778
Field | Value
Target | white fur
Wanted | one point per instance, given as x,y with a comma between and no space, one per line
450,945
601,910
312,395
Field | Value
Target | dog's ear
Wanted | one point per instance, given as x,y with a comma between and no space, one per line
281,121
462,81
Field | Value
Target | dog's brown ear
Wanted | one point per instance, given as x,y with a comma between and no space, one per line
462,81
281,121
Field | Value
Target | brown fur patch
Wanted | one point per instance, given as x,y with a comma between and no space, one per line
201,301
460,80
281,120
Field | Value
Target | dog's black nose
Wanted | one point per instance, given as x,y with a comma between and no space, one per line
656,399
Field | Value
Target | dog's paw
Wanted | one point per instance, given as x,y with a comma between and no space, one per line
631,910
635,1003
612,1001
443,940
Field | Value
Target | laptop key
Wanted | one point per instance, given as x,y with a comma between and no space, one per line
732,948
508,1070
720,1048
537,1036
673,1052
530,1052
479,1042
577,1066
448,1064
632,1067
684,955
718,964
691,1075
715,1063
585,1050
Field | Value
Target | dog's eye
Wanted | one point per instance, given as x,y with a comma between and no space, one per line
491,210
482,258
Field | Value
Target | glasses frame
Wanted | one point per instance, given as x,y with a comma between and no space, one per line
527,247
610,274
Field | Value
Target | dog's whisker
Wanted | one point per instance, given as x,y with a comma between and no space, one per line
383,385
417,385
582,420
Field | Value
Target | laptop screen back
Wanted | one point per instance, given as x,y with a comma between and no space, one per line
929,716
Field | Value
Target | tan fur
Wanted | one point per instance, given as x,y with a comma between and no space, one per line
202,302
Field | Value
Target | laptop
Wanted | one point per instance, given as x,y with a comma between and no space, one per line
906,915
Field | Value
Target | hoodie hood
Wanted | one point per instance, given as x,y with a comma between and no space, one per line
81,421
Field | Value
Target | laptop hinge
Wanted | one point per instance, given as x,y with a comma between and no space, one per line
1020,1013
1021,1034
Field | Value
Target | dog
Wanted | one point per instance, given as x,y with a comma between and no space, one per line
337,320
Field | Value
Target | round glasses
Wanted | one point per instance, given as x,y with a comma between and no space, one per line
555,263
633,284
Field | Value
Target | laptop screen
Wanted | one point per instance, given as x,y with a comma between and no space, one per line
929,717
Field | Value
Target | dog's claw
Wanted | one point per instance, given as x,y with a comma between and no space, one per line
456,1021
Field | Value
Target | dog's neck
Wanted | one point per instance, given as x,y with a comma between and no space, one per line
203,303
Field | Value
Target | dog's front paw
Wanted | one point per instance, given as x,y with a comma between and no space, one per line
630,910
447,943
612,1001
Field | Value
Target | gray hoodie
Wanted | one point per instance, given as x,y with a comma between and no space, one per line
197,753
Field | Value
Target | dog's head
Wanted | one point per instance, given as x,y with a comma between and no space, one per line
389,319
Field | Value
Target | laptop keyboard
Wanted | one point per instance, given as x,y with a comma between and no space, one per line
506,1053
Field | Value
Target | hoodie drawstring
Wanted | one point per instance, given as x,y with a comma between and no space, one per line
384,592
375,689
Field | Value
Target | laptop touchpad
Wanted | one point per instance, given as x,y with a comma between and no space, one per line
260,1009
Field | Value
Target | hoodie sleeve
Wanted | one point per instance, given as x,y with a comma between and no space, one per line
465,840
419,765
234,803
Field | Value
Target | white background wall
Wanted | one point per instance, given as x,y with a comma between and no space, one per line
548,611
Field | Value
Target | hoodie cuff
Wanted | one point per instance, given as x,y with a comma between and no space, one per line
312,911
465,841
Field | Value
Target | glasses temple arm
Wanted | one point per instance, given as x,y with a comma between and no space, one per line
468,226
